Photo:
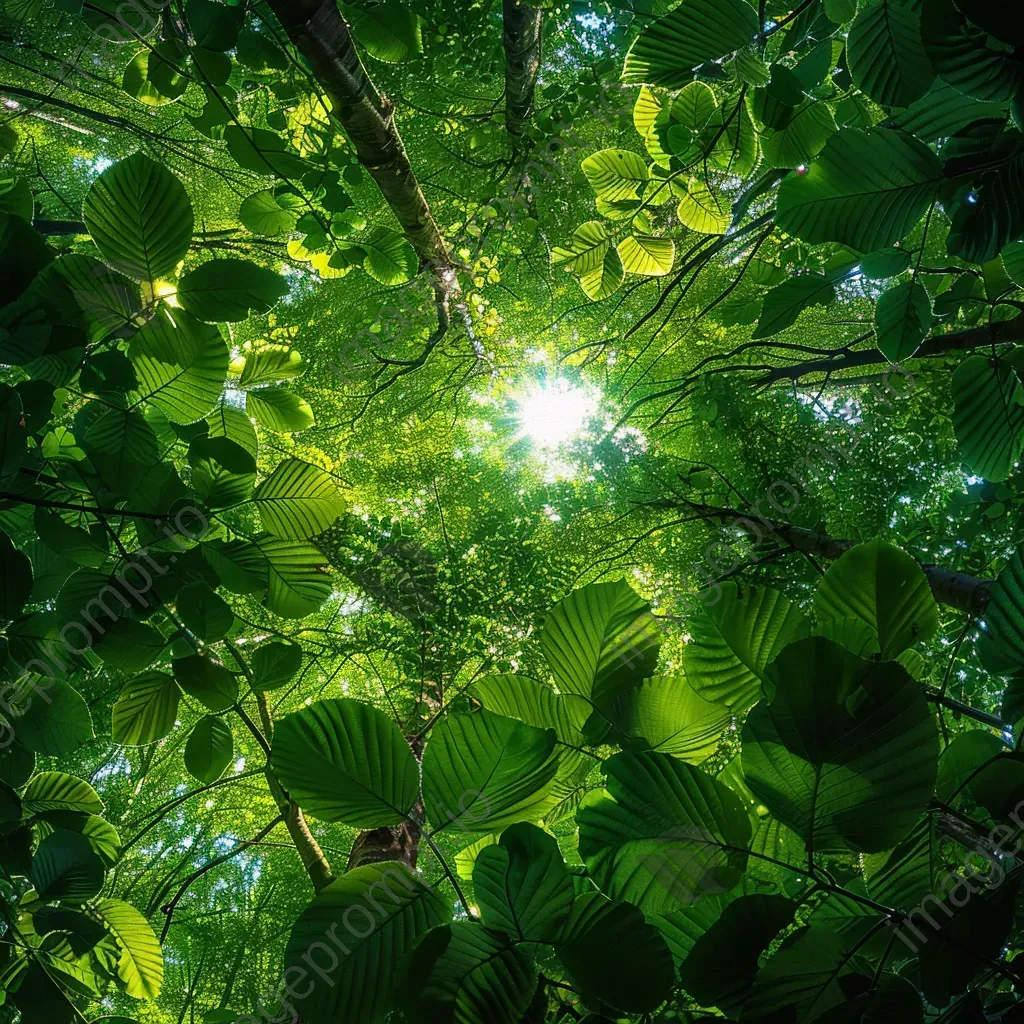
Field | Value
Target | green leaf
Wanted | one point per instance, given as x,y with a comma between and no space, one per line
884,587
230,290
988,415
906,874
270,363
223,472
701,209
298,500
885,54
845,753
231,422
263,151
270,213
141,963
666,52
129,646
298,582
15,578
1013,262
357,931
390,259
785,302
801,138
523,886
205,613
647,255
733,640
1002,644
721,967
140,217
391,31
344,760
279,409
157,87
604,280
101,835
52,719
274,664
533,703
58,791
600,640
465,972
214,25
613,955
884,263
616,174
145,710
482,771
802,979
65,867
664,835
209,683
181,365
866,190
943,111
664,713
209,749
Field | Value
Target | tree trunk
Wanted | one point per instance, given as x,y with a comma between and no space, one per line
522,38
322,36
955,589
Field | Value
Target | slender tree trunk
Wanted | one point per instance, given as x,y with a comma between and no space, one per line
322,36
523,50
955,589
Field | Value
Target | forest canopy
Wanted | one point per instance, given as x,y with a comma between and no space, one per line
509,511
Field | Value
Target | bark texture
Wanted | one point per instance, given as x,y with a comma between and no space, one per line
322,36
523,38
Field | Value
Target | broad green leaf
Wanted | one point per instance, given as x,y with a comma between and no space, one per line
616,174
613,955
223,472
203,611
181,365
802,978
1002,643
209,749
229,289
482,771
390,259
785,302
270,363
665,713
585,252
49,717
357,931
145,710
885,588
988,415
534,703
665,834
108,301
647,255
885,54
701,209
391,31
298,582
214,25
231,422
603,281
279,409
845,753
466,972
270,213
129,646
209,683
906,874
866,190
274,664
344,760
298,500
885,263
263,151
600,640
58,791
141,963
943,111
153,78
65,867
721,967
666,52
140,217
523,886
802,138
734,640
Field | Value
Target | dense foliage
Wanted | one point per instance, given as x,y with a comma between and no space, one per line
510,514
